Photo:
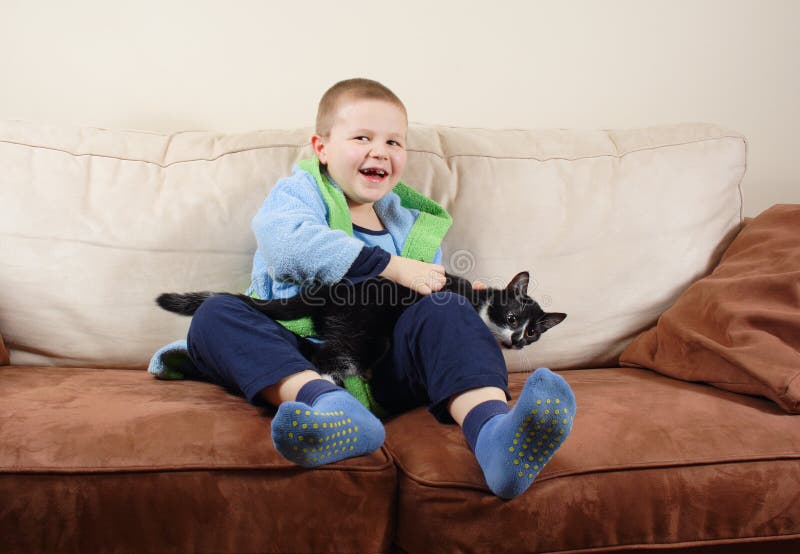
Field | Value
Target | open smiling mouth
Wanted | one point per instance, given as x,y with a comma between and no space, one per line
373,174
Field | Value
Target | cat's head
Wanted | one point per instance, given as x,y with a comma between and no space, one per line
514,318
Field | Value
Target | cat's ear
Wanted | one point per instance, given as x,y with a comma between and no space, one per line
519,284
550,320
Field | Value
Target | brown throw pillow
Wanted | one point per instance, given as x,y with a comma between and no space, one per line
739,328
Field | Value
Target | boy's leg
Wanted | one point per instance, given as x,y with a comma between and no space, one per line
239,347
445,356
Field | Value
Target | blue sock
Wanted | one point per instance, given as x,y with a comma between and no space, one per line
325,424
512,445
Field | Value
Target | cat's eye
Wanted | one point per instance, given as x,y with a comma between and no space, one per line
530,332
512,319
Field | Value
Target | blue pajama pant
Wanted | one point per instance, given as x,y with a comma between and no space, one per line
440,348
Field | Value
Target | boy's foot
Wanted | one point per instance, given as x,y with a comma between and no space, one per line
326,424
513,447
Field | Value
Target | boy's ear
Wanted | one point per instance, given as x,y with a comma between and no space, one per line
318,144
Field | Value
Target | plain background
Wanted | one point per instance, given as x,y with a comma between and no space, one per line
172,65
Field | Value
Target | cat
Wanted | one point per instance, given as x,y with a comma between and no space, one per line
356,320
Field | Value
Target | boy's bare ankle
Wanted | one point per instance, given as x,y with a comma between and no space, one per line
287,388
461,404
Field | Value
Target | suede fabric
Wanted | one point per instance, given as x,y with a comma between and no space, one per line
650,461
113,460
3,352
739,328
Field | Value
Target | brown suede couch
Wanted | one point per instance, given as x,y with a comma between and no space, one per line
684,438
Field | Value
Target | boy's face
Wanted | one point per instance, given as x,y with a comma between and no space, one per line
365,151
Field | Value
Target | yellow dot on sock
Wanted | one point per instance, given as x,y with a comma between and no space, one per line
521,454
530,458
516,462
356,428
315,426
530,476
520,474
352,447
324,425
564,421
291,435
558,401
308,412
538,402
548,401
300,438
536,466
347,441
511,449
316,413
515,441
556,412
355,439
349,420
565,411
294,424
297,412
305,450
304,426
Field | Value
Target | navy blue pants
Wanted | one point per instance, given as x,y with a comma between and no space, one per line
440,348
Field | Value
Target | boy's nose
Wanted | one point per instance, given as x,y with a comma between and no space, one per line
378,152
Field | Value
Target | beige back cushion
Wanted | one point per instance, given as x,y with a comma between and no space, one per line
613,226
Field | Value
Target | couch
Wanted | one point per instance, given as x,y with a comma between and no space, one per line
681,347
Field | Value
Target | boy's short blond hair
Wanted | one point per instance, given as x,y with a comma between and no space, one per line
350,89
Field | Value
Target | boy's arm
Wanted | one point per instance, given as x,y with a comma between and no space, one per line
296,241
422,277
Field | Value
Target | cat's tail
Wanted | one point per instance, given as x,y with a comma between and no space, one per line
184,304
284,309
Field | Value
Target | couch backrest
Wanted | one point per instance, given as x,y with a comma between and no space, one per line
613,226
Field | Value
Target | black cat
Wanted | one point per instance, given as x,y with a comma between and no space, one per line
356,321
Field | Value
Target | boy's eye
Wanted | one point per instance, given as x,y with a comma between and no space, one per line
394,143
361,139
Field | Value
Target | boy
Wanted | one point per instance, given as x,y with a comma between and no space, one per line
339,216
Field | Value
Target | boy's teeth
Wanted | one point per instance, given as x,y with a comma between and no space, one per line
370,171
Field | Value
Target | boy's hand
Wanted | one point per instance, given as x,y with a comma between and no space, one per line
419,276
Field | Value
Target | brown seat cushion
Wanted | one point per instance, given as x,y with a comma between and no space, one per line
93,458
651,460
738,328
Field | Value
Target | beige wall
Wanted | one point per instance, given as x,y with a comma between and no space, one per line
193,64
